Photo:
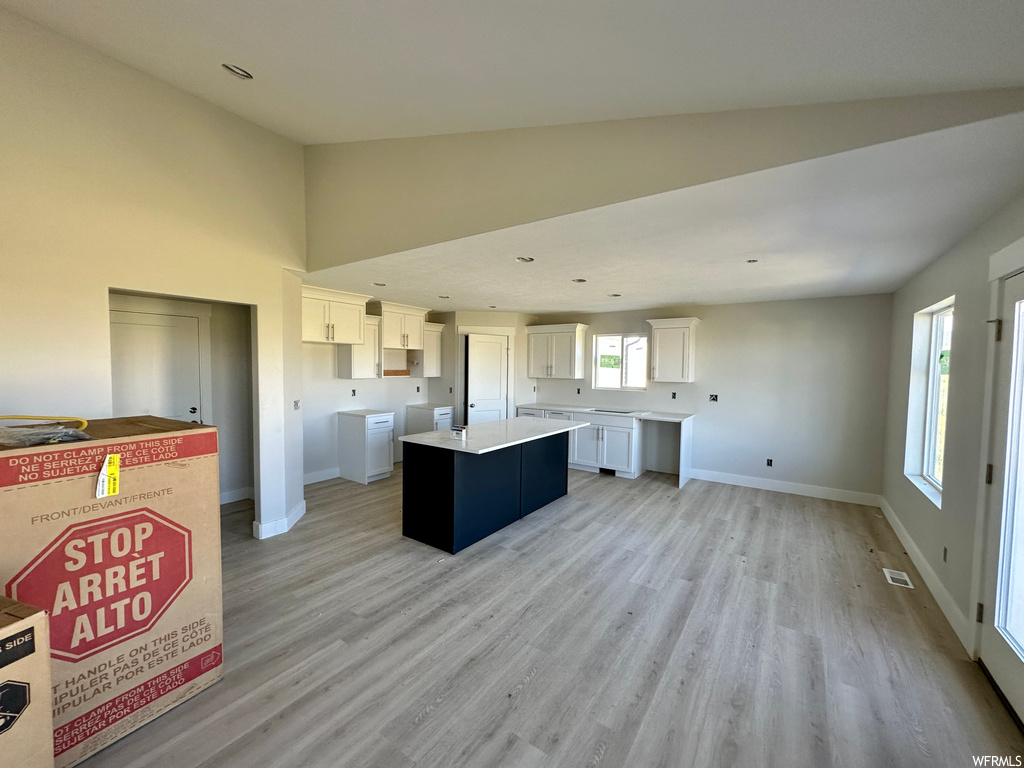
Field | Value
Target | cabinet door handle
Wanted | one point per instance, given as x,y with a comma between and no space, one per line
332,331
327,332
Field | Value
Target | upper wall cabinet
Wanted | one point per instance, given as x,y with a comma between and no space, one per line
401,326
673,349
333,317
432,349
362,361
555,351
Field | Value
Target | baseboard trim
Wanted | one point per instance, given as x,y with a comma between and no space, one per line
800,489
965,629
281,525
227,497
319,477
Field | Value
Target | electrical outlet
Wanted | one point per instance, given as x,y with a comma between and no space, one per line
577,390
713,398
353,393
944,553
417,389
673,395
296,405
769,462
450,390
534,389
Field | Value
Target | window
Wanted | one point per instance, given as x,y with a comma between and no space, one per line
938,395
929,395
620,361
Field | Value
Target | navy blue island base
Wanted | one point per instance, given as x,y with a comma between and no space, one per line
452,499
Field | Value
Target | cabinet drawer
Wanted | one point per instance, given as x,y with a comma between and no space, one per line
535,412
380,422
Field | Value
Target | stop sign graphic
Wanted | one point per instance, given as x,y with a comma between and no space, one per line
106,580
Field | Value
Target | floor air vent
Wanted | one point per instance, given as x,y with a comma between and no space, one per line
897,578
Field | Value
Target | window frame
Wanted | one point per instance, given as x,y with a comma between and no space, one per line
622,369
931,416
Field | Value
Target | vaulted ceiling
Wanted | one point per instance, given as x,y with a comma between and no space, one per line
792,133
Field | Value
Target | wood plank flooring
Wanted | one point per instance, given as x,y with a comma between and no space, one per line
630,623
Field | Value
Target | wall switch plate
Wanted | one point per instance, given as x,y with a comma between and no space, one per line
769,462
713,398
296,405
417,389
577,390
673,395
353,393
534,389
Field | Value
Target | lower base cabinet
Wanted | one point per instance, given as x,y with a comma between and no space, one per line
366,445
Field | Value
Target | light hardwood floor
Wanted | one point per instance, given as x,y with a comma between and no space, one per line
630,623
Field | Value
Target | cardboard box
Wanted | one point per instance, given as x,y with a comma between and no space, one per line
127,566
26,727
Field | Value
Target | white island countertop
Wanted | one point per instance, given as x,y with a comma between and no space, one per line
495,435
642,415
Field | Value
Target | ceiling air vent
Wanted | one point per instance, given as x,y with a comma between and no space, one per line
897,578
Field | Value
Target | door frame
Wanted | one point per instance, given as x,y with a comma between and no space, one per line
509,333
147,305
1004,264
1001,265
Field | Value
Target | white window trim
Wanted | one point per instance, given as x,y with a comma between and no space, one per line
920,442
931,411
594,366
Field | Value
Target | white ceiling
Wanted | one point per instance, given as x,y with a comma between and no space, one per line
854,223
345,70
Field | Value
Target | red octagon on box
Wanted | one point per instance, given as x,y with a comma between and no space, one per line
106,580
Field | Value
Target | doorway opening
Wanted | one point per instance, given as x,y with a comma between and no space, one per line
191,361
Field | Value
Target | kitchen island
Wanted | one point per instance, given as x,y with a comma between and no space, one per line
457,492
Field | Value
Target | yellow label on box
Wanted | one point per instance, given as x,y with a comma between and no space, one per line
109,482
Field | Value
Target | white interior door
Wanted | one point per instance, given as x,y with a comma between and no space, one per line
487,385
155,365
1002,633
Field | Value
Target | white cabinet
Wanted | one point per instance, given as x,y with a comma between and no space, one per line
617,448
608,442
586,450
432,349
333,317
427,417
673,349
401,326
555,351
362,361
366,445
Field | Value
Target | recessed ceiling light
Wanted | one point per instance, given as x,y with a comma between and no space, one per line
444,297
751,261
237,71
614,295
579,280
381,285
523,259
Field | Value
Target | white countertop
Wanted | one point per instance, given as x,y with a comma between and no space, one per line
638,414
430,406
365,413
495,435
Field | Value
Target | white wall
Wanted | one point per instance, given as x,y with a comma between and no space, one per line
231,375
801,382
324,394
962,272
113,179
